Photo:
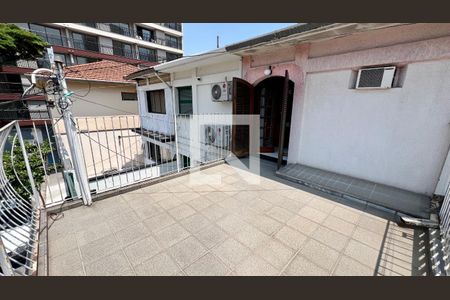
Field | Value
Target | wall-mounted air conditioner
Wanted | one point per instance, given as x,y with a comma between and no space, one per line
221,91
375,78
217,135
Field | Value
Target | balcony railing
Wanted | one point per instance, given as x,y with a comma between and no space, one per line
16,110
11,88
19,214
445,229
174,26
118,151
132,33
106,49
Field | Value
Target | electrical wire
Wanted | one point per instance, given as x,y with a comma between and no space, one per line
103,105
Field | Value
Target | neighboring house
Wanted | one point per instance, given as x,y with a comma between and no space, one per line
105,109
368,101
100,89
191,79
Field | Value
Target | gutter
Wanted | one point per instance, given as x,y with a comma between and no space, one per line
98,80
277,35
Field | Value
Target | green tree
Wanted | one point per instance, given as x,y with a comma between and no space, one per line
36,166
17,43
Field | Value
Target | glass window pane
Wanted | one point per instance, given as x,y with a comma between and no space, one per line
185,100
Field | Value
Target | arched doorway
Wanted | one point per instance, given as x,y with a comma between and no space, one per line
266,100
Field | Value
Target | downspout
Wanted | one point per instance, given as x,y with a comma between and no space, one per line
174,115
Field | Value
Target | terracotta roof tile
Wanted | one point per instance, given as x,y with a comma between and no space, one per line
105,70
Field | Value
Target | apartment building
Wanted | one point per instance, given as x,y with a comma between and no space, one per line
139,44
135,43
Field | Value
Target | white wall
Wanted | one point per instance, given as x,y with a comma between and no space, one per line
201,98
398,137
201,91
158,122
106,96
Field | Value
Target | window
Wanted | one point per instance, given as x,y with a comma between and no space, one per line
64,58
122,49
147,54
185,100
129,96
84,60
85,42
93,25
146,34
51,35
175,26
172,56
156,102
186,161
120,28
10,83
154,152
173,42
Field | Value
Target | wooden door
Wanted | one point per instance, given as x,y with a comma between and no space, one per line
284,108
243,104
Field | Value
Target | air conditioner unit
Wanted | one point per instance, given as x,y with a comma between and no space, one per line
217,135
375,78
221,91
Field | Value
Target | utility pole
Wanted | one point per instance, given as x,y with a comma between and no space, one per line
65,104
217,41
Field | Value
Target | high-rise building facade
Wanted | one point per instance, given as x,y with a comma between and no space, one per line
140,44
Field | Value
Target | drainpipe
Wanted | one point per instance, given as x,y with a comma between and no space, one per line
174,115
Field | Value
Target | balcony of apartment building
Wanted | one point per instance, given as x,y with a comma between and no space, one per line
225,216
90,47
13,105
141,32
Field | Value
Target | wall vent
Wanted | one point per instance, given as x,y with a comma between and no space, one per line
375,78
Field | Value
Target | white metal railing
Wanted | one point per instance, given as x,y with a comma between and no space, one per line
444,215
36,169
19,214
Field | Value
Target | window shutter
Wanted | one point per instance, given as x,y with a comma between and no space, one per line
243,103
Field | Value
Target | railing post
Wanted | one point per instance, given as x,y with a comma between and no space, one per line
5,264
35,195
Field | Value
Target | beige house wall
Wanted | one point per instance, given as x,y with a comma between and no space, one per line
103,99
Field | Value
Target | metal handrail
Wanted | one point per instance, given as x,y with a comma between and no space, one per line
19,218
444,216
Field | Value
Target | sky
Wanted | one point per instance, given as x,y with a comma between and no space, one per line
201,37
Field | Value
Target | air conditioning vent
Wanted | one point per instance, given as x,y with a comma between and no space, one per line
375,78
221,91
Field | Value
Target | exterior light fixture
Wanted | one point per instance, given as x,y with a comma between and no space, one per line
268,71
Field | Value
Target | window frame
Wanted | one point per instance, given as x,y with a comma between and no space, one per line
119,49
50,38
186,101
151,54
154,152
129,93
143,32
89,42
162,105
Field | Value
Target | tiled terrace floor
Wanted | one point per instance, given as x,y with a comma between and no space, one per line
215,222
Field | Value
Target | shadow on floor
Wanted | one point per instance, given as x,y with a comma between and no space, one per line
402,252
